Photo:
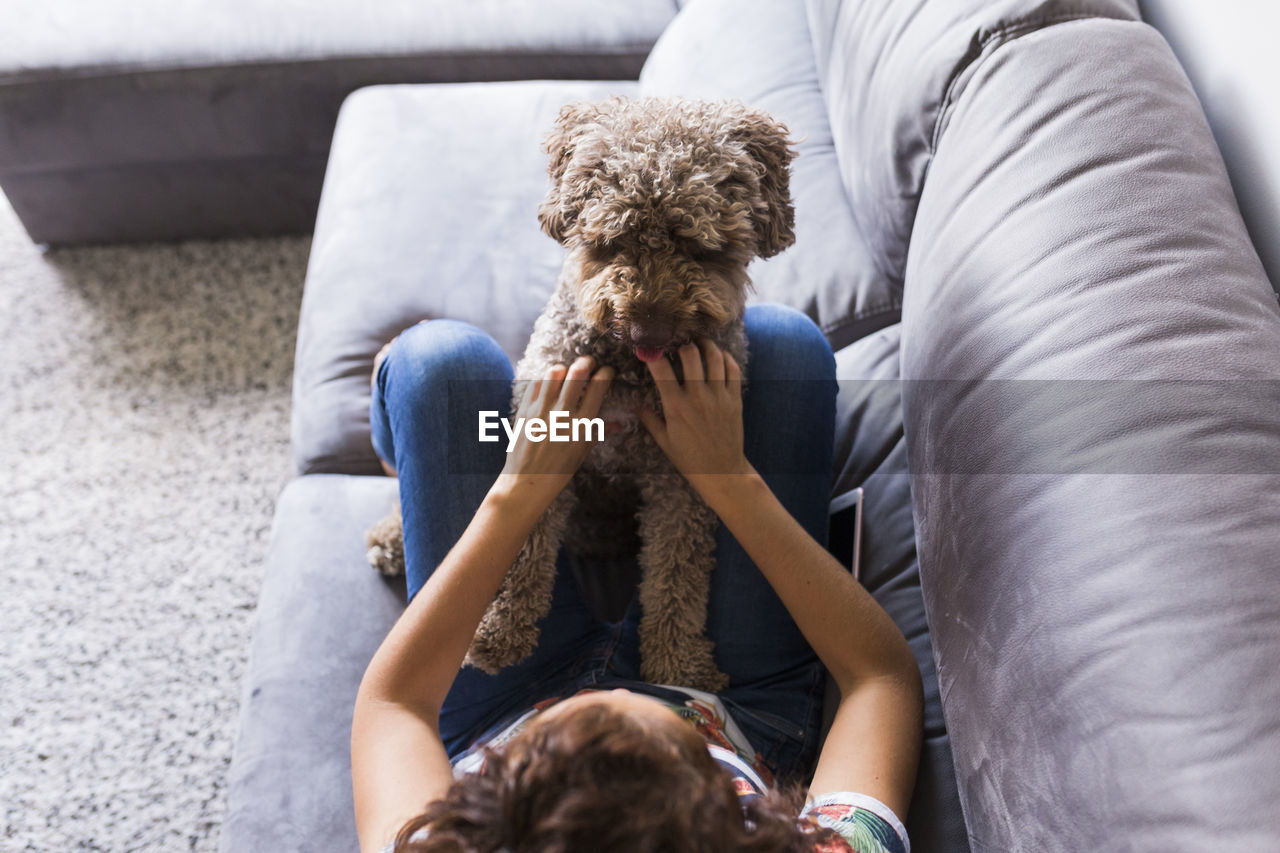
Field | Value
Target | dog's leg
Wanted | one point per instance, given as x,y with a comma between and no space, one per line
677,555
508,631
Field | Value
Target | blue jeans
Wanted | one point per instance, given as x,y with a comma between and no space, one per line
424,422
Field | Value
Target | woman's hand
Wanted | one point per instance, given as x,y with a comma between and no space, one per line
700,429
541,469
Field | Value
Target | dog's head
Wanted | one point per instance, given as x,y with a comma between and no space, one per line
662,203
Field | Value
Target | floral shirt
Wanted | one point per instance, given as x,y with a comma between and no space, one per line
864,824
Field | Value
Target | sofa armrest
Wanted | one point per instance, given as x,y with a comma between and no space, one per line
1098,556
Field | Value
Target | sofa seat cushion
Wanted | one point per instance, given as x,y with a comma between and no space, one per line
760,52
322,613
153,120
429,210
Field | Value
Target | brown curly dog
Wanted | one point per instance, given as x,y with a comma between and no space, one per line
661,203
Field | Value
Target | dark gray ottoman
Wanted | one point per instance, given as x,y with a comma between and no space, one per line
153,120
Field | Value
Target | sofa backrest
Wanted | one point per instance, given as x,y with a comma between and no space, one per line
890,70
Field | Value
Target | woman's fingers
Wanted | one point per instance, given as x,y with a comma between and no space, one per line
691,361
665,378
732,374
575,380
661,370
529,392
597,386
714,358
654,423
549,390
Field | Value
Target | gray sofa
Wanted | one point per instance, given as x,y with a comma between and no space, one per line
991,197
152,120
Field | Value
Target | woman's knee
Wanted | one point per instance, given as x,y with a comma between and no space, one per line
783,343
425,358
449,349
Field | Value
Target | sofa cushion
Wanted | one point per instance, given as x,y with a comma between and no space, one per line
1100,575
890,70
154,120
759,52
429,210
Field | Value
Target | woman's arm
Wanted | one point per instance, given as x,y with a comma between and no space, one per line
398,761
873,746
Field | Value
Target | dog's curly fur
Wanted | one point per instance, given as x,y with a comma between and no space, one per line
662,203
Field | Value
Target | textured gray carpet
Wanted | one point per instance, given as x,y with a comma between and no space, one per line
145,397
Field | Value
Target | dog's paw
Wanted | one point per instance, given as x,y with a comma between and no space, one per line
385,544
691,664
387,560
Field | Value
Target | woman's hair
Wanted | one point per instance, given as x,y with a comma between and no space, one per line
599,780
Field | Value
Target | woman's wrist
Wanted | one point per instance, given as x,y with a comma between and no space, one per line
723,492
524,495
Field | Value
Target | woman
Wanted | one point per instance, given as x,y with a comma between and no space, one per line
569,750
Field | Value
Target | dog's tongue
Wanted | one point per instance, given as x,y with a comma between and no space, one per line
647,354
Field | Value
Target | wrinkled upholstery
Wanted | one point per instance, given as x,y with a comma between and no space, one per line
1106,624
154,120
871,453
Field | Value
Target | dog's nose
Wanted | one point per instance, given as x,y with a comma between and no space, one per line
652,332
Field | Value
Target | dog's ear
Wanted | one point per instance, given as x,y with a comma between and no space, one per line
568,168
767,143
